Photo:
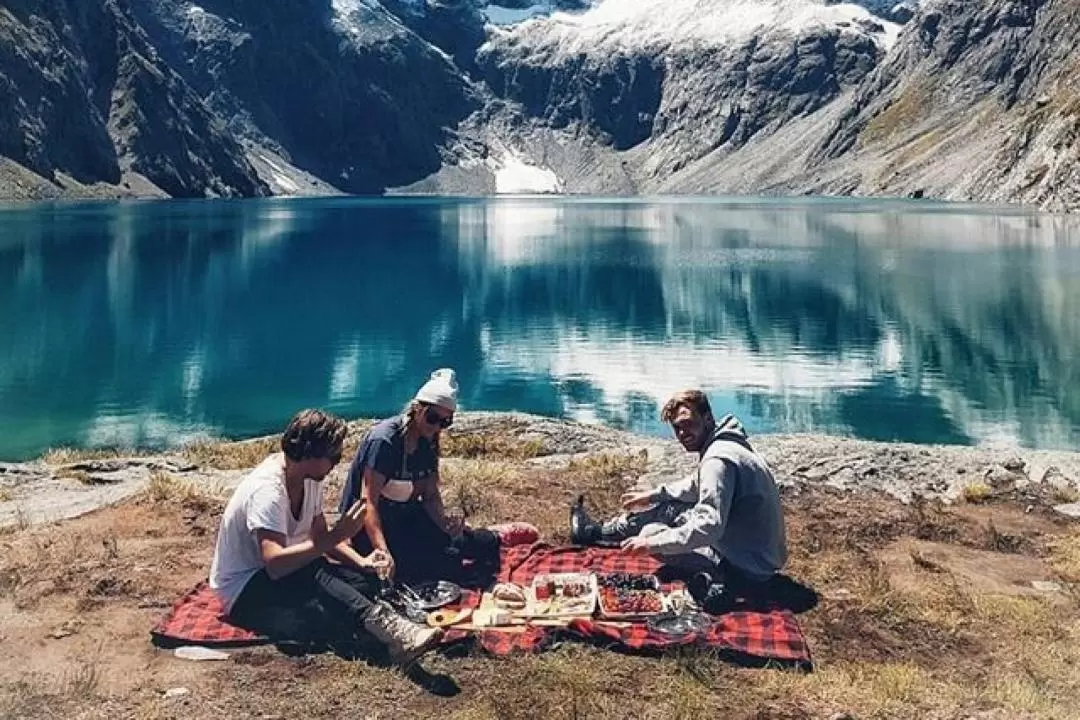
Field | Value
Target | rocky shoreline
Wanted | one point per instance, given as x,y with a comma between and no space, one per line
65,485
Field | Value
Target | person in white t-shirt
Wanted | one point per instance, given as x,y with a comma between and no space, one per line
272,566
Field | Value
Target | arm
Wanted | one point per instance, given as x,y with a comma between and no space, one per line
281,560
343,552
267,511
706,521
433,501
374,481
684,490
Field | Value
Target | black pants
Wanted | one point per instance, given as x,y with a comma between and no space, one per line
321,604
716,587
631,524
423,552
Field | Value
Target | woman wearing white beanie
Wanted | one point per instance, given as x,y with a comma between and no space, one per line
396,470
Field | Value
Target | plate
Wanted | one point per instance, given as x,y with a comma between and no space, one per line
446,618
626,596
438,594
560,595
680,625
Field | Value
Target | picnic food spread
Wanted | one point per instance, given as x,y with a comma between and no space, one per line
558,598
562,595
434,595
623,595
446,618
509,596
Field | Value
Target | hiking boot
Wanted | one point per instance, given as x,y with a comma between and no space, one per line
404,640
698,586
583,531
710,594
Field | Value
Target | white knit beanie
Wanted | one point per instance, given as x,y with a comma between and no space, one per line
441,389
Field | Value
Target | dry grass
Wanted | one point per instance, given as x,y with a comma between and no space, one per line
52,696
230,455
588,683
164,488
68,456
933,646
977,492
81,476
504,445
6,495
246,454
1064,495
22,521
1065,556
471,487
900,116
492,491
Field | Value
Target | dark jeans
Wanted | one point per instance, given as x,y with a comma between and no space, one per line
320,604
715,586
423,552
631,524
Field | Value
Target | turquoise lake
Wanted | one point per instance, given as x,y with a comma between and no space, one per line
153,323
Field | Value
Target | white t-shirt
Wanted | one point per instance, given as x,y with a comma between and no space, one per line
260,502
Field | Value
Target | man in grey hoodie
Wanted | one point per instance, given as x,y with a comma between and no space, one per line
721,526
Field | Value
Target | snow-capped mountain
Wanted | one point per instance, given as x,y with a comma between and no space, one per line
196,97
699,75
629,25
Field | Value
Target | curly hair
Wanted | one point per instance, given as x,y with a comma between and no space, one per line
313,434
693,399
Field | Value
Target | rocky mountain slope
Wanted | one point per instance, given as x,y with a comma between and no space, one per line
945,98
86,96
975,102
225,97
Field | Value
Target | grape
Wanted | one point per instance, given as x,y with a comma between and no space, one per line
624,601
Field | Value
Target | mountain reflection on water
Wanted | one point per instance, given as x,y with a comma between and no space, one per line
152,323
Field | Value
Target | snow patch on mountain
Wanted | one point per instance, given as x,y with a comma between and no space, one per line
512,12
364,21
623,25
499,15
514,175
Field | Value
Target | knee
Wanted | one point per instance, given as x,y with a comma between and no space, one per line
652,529
482,543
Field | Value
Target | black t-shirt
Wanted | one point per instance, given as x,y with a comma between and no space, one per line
383,450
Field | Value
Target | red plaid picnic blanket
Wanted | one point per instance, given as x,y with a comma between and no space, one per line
198,617
773,635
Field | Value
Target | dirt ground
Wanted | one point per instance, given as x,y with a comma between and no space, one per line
927,610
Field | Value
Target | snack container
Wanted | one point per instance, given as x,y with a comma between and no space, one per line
653,590
547,596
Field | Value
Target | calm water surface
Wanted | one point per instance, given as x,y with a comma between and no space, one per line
154,323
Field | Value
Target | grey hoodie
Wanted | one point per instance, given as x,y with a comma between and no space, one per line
737,514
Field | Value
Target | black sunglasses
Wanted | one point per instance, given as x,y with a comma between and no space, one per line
433,418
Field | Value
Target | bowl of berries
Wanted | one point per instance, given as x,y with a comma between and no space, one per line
626,596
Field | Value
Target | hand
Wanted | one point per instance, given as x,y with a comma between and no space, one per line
455,525
636,546
381,562
350,523
636,501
